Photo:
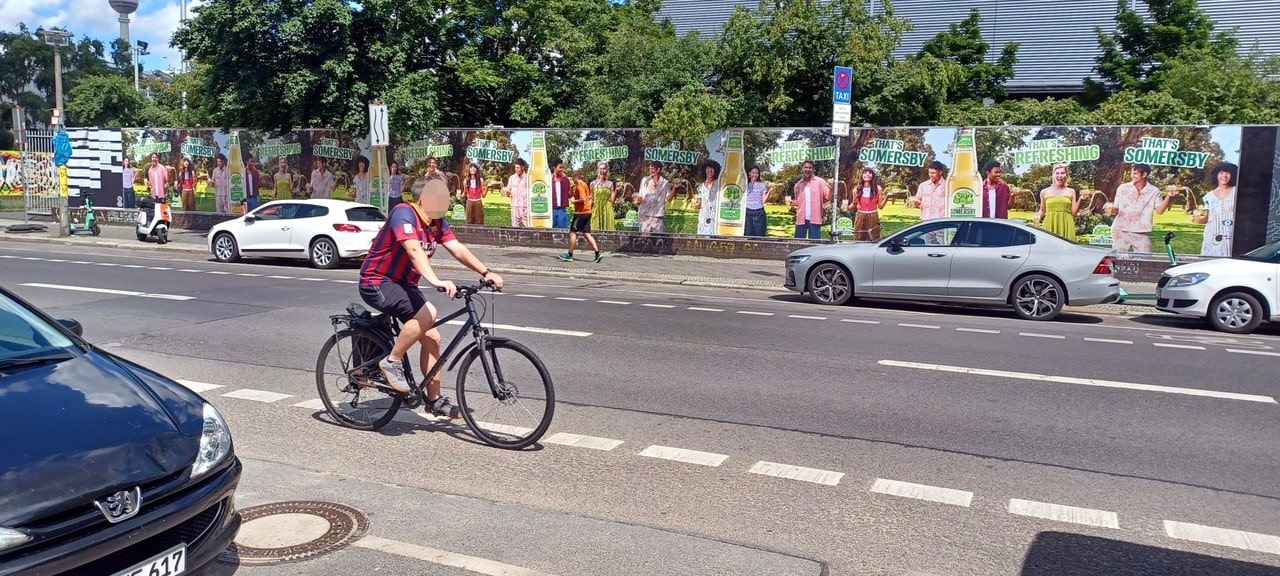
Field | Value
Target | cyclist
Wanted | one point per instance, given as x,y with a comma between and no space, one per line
398,258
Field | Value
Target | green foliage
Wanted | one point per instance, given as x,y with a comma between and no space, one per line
691,115
1223,90
962,44
1025,112
105,101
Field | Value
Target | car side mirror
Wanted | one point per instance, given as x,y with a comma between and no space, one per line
898,243
250,217
72,325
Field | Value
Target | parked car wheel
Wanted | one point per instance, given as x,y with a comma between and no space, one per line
324,253
1038,297
829,284
225,248
1235,312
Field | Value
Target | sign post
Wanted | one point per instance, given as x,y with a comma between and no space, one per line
379,139
842,111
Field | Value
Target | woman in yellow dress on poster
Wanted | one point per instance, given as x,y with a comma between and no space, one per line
284,180
1059,205
602,217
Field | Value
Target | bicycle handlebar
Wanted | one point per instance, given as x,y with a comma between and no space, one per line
467,290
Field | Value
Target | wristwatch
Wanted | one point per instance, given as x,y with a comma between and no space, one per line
485,273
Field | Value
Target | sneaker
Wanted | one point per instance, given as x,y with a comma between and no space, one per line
566,257
599,257
394,371
443,407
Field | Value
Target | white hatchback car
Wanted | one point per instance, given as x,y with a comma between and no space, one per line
320,230
1235,294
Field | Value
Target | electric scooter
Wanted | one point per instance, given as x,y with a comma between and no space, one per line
90,223
153,219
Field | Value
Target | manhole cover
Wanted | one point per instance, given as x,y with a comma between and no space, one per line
283,532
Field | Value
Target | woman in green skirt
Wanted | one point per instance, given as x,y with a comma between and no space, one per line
605,195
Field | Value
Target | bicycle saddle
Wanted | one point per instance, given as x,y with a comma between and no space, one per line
358,311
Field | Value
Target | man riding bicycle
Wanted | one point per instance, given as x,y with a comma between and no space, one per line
398,258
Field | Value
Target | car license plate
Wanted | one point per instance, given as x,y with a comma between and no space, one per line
173,561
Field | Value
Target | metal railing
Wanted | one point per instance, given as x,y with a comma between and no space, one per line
39,176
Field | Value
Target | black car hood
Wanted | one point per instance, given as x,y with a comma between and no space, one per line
79,430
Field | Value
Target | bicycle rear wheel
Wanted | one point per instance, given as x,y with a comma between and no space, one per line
346,373
517,410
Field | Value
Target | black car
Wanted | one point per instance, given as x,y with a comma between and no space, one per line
106,467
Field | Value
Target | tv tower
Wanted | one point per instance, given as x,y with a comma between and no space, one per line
124,8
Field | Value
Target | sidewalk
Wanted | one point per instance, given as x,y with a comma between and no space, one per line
737,273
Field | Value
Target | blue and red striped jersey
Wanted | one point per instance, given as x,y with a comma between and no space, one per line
387,259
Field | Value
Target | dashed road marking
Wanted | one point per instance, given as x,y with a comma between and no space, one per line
526,329
1179,346
923,492
571,299
658,305
312,279
444,557
194,386
1060,513
1081,381
800,473
617,302
281,277
754,313
802,317
581,441
1108,340
248,275
257,395
347,281
531,295
686,456
925,326
978,330
701,309
858,321
217,272
189,270
1253,352
314,404
158,268
1039,335
132,266
1223,536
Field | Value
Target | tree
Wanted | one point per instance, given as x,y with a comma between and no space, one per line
962,43
105,101
1022,112
691,115
1138,49
1224,90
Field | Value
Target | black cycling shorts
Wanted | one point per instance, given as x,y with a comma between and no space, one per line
581,223
395,299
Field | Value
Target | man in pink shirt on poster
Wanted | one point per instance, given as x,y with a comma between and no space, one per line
811,193
157,177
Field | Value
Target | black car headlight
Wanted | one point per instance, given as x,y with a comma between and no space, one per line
215,442
798,258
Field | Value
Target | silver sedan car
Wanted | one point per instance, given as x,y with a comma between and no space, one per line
979,261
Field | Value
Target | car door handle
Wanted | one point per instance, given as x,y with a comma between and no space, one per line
285,228
936,255
1010,256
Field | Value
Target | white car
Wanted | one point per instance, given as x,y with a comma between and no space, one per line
320,230
1234,294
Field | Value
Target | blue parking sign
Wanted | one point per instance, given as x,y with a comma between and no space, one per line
842,85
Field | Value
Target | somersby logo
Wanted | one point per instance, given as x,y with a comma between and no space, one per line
962,203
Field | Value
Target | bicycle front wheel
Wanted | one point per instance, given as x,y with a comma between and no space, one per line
346,375
509,402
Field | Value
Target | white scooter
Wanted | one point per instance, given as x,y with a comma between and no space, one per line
153,219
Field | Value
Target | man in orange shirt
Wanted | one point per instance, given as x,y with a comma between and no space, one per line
582,204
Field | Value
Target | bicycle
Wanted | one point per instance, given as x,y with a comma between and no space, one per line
368,338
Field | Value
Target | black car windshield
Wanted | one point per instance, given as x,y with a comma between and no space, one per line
27,338
364,215
1269,253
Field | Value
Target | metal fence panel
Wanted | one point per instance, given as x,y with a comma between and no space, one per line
39,175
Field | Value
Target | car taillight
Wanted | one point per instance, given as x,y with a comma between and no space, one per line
1104,267
346,228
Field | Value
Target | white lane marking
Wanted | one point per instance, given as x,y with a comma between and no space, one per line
132,266
1254,352
32,258
109,291
347,281
527,329
1073,514
158,268
750,313
95,263
1081,381
1180,346
1107,340
571,299
83,262
658,305
530,295
314,404
923,492
51,259
618,302
194,386
190,270
701,309
1223,536
857,321
686,456
217,272
926,326
801,473
281,277
257,395
802,317
444,557
1039,335
248,274
312,279
978,330
8,257
593,442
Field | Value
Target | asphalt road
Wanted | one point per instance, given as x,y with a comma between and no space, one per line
912,439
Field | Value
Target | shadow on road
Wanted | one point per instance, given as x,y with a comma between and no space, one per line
457,431
1065,317
1186,323
1062,554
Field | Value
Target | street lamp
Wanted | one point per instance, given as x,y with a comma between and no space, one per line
139,51
58,39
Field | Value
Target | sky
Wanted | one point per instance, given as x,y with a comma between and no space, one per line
153,23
